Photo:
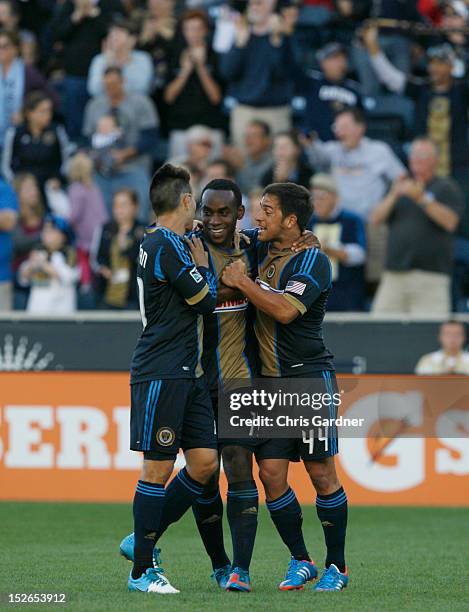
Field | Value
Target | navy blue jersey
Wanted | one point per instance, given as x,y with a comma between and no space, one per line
174,295
324,100
304,279
348,281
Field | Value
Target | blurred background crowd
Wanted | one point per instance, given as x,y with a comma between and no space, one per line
364,102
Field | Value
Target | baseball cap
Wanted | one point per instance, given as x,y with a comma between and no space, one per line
332,48
443,52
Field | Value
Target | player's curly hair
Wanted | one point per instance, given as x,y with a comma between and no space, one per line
167,185
294,200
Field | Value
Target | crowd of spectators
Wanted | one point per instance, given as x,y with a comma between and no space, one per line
364,102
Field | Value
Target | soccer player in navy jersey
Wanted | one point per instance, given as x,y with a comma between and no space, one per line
290,295
170,401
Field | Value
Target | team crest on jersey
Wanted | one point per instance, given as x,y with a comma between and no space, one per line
165,436
196,275
270,271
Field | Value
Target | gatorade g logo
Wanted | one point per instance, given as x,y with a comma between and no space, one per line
165,436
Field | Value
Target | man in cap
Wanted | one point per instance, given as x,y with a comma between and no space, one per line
329,91
342,237
441,102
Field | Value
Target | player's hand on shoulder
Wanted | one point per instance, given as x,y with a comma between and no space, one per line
238,236
307,240
199,254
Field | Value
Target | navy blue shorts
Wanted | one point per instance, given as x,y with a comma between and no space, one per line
249,443
170,414
316,444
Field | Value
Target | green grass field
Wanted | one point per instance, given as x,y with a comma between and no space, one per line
399,559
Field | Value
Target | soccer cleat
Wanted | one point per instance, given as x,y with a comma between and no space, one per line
332,580
126,549
222,575
298,574
239,580
152,581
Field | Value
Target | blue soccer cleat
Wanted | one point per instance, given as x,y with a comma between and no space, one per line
126,549
152,581
332,580
298,574
222,575
239,580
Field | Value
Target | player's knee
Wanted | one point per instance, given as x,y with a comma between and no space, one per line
157,472
323,476
275,483
237,463
204,469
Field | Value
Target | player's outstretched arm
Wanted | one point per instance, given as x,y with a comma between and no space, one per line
276,306
307,240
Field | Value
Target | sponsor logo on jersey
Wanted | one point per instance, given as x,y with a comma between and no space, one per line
232,305
196,275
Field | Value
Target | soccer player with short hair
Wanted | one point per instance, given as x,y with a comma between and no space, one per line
290,296
170,401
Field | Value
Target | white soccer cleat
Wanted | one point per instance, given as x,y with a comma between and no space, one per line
152,581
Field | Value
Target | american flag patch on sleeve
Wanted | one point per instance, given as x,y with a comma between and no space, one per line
295,287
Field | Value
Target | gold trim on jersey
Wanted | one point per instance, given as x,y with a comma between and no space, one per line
295,302
200,341
198,297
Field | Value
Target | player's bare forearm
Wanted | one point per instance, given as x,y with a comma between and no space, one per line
276,306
